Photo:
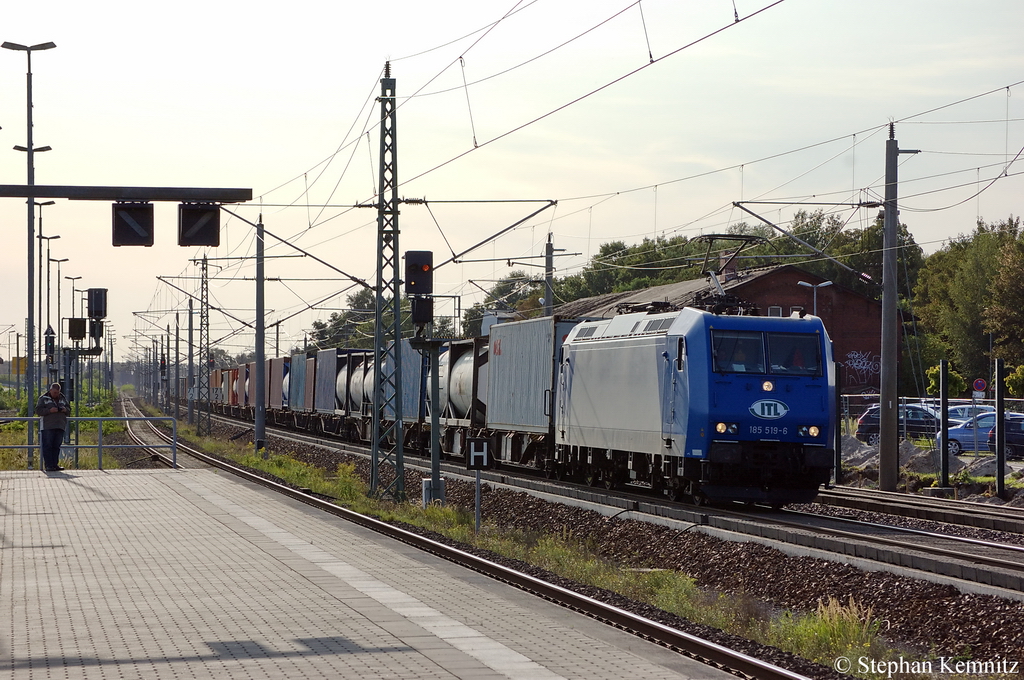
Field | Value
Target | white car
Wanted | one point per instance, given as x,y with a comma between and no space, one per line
967,411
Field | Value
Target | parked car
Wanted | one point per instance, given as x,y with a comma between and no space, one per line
1014,436
913,421
965,412
962,437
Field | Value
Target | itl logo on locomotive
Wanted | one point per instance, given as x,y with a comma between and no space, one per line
768,409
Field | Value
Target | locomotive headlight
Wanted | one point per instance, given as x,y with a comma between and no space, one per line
811,431
767,386
727,428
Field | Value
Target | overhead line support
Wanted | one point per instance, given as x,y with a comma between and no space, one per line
860,275
387,427
888,425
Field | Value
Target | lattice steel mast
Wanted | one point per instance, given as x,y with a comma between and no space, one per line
203,383
387,434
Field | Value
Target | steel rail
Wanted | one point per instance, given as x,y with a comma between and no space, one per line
918,532
928,549
964,513
837,533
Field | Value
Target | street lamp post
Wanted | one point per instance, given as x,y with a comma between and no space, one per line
30,153
60,321
73,290
815,287
67,362
47,239
39,349
17,351
17,345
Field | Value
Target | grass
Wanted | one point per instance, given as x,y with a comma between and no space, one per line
832,630
17,459
14,434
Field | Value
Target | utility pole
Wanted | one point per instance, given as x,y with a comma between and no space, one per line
203,388
888,425
155,384
167,371
549,273
17,375
191,379
177,367
388,428
260,415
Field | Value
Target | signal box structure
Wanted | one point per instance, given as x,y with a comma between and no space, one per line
419,272
97,299
419,284
77,329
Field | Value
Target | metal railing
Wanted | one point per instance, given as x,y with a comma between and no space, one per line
99,445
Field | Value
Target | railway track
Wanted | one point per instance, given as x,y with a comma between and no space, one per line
1001,518
685,643
992,565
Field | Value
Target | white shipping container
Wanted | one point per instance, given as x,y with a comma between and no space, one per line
523,364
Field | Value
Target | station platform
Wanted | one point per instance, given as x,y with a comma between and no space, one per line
195,574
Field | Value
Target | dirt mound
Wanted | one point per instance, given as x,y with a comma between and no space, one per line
864,456
930,461
858,454
986,467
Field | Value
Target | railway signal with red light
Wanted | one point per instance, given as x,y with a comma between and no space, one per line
419,272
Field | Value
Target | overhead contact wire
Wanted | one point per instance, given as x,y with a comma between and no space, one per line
595,90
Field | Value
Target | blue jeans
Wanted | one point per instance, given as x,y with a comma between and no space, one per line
49,442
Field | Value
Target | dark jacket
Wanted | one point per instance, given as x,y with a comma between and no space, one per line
53,421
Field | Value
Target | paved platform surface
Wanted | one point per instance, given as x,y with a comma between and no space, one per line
194,574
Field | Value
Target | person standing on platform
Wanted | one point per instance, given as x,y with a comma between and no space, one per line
54,409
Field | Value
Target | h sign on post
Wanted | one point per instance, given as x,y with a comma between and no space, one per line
477,458
477,453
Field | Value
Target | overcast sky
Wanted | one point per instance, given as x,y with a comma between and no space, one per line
526,102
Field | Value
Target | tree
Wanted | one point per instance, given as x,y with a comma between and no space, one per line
957,384
245,357
504,295
955,288
1015,382
221,359
1004,316
341,330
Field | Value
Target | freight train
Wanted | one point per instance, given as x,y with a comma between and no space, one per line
702,407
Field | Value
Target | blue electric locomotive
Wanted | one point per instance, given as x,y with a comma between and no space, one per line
705,407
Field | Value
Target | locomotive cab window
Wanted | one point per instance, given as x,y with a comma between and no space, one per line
794,354
738,351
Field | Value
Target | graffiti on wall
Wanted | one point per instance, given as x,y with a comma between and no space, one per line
862,368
